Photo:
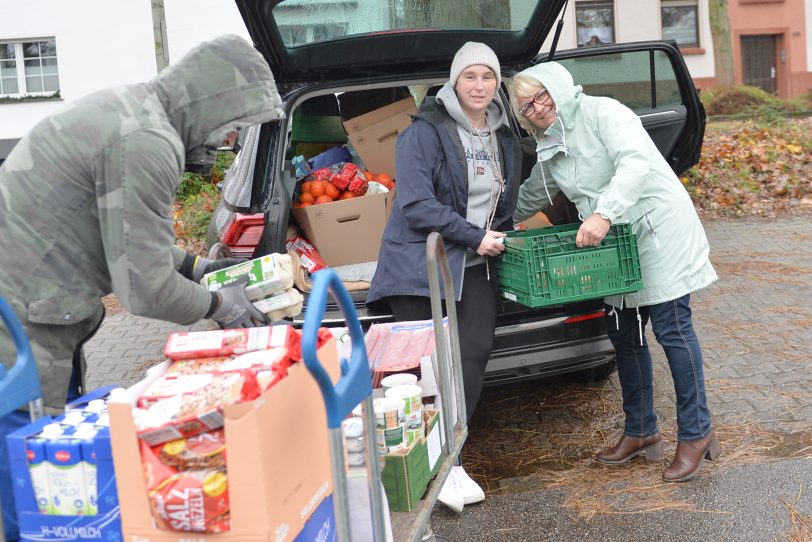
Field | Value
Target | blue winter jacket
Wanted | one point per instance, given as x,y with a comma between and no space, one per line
432,195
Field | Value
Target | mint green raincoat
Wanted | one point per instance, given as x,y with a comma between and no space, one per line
598,153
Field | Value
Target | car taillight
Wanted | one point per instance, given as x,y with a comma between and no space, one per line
587,316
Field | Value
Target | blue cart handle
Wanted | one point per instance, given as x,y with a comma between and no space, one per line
20,384
355,383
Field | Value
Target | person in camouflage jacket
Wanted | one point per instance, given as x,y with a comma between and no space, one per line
86,205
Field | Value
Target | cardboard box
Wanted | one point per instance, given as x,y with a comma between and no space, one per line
538,220
278,461
37,527
406,473
321,526
373,134
346,231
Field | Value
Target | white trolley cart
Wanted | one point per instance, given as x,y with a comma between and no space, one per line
354,387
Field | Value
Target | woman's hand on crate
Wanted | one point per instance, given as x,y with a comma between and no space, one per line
592,231
492,244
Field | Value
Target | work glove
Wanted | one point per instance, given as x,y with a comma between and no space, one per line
203,266
234,310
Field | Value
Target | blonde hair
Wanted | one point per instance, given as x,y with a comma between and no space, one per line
523,86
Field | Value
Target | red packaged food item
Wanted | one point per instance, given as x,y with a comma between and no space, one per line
322,336
198,365
344,176
191,412
322,174
309,257
204,451
358,184
154,469
193,501
266,379
168,385
225,342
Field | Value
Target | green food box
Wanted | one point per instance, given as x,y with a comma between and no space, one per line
266,276
406,473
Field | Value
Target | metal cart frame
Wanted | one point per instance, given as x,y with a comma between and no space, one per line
355,387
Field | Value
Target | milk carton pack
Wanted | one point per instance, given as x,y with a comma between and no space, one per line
66,477
62,474
38,470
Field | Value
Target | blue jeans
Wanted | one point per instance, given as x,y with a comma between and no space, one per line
671,323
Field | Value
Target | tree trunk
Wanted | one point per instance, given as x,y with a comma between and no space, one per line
722,45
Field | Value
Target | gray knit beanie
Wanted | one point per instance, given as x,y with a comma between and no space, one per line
474,53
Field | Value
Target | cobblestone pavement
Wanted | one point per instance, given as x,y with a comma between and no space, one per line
755,327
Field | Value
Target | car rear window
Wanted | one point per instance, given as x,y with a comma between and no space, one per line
302,22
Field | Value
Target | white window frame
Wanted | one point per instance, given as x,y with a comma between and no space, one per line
614,19
19,58
680,3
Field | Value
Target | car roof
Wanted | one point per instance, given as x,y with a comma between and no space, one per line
323,40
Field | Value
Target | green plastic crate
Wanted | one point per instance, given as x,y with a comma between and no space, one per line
543,267
317,129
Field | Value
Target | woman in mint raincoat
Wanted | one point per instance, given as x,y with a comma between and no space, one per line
596,151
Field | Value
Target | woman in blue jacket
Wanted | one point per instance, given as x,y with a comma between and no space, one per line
458,171
597,152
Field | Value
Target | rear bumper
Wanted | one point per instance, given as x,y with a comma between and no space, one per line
532,349
505,367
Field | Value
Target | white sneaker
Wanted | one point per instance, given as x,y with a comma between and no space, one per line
450,495
465,485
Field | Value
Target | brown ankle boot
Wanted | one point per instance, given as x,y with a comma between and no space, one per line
689,458
627,448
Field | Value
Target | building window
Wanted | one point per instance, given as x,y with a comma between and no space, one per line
681,22
28,68
595,22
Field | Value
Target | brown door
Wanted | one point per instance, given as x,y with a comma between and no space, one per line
758,58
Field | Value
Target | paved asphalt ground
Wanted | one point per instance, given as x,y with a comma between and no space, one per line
755,325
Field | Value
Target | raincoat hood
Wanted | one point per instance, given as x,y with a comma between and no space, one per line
218,87
565,93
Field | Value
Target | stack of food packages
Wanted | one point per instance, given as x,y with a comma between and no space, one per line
394,350
398,421
269,287
179,417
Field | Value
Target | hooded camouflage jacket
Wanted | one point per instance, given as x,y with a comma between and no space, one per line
86,200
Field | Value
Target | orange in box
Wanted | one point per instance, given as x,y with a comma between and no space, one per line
277,459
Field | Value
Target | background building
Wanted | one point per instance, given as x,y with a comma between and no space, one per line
52,51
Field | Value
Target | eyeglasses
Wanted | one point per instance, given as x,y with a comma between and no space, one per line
529,108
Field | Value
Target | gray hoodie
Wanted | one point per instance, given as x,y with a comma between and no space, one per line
482,154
